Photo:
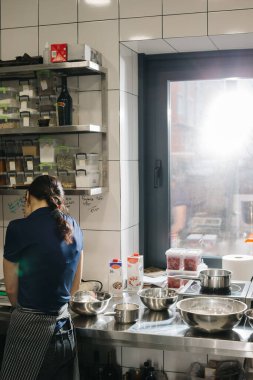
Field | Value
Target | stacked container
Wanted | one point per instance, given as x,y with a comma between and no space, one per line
182,261
9,108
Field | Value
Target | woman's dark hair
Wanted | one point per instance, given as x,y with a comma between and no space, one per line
50,189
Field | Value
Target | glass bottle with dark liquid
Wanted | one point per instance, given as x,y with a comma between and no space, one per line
64,105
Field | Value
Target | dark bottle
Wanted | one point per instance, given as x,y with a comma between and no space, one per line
145,370
64,105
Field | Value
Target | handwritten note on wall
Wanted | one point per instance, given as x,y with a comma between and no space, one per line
92,203
16,206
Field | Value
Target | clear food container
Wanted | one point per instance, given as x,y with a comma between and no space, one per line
30,148
28,119
191,259
28,177
8,92
67,178
48,168
47,149
87,161
28,104
9,121
87,179
65,158
174,258
29,163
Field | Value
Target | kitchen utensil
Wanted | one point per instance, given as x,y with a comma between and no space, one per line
89,302
157,298
211,314
249,315
125,312
210,278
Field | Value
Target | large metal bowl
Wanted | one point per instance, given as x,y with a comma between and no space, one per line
158,299
211,314
89,302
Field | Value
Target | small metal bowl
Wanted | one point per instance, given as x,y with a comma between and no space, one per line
89,302
158,299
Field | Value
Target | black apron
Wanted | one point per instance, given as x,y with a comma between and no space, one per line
27,341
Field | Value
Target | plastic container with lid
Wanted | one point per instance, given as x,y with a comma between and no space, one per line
134,272
47,149
8,92
191,259
87,179
67,178
65,157
9,121
87,161
174,258
48,168
115,279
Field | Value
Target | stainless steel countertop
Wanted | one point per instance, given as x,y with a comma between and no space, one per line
163,330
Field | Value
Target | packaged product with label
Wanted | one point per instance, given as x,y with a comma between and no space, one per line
115,281
134,272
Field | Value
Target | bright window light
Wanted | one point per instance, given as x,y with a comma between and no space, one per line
228,125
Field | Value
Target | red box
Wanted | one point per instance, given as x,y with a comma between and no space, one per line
59,52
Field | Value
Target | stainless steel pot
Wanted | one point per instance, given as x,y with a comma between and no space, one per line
125,312
211,314
211,278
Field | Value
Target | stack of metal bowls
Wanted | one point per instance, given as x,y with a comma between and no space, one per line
158,299
89,302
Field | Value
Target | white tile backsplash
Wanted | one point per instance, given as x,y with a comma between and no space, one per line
57,11
72,203
158,46
185,25
128,126
140,8
220,5
185,44
26,41
184,6
105,41
142,28
231,41
11,11
126,69
113,125
230,22
99,248
57,34
127,194
13,207
103,212
90,108
91,10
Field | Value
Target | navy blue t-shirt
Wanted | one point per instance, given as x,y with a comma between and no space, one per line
47,264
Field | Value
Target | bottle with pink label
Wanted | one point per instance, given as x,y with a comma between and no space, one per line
134,272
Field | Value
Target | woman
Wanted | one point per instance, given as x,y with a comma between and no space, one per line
42,268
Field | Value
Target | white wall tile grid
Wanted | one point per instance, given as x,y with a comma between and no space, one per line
148,26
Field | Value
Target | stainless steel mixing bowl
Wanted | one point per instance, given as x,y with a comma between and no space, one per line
249,315
211,314
89,303
157,298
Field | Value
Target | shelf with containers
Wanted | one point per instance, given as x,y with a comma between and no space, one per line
19,122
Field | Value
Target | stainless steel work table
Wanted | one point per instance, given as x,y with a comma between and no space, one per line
163,331
158,330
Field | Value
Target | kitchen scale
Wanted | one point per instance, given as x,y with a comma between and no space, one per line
238,290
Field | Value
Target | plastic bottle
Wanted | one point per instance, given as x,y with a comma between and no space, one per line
64,105
46,54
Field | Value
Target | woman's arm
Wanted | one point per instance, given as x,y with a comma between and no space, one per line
78,275
11,280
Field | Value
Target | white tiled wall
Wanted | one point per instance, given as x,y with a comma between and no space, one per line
110,222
